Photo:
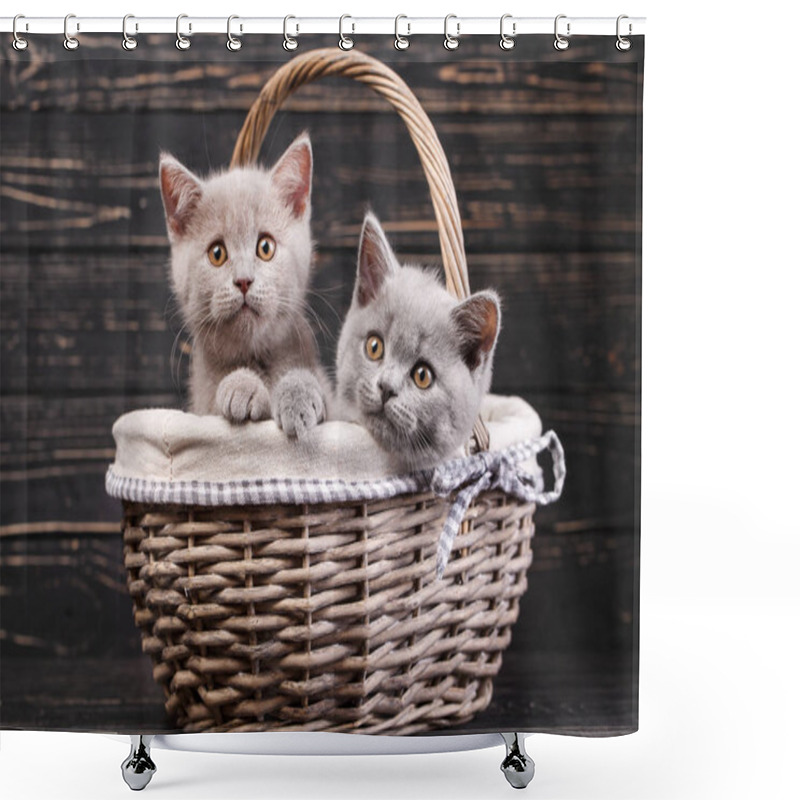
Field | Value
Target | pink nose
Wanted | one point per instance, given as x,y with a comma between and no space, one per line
243,285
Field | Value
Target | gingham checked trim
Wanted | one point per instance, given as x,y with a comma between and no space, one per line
495,470
467,477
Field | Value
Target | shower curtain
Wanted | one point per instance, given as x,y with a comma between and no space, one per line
544,147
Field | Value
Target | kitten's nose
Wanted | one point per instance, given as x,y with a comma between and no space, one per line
243,284
387,393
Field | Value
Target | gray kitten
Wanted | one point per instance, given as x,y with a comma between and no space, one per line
413,363
241,258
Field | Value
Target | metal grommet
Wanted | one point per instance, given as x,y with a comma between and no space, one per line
561,42
70,42
507,42
18,43
451,42
233,44
128,42
623,43
181,42
345,42
401,42
289,42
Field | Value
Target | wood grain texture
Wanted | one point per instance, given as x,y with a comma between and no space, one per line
533,182
545,150
476,79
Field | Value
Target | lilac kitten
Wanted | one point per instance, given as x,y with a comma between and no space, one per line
241,259
413,363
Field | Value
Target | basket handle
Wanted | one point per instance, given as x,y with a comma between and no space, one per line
331,61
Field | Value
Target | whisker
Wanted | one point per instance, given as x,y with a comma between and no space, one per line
320,296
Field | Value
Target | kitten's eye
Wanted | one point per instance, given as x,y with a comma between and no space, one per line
375,347
266,247
217,254
423,375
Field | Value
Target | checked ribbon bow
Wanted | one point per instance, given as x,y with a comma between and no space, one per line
495,470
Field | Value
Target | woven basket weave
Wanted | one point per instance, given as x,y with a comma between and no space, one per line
327,617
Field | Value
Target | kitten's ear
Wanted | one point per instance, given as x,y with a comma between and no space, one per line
292,175
180,192
478,322
375,260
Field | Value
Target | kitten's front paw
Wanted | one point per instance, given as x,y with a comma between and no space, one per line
242,395
299,403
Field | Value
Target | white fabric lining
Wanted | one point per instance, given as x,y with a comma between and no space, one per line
167,445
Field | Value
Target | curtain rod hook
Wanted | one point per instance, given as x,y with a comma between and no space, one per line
507,41
451,42
561,42
233,44
345,42
128,42
623,43
401,42
289,42
18,43
181,42
70,42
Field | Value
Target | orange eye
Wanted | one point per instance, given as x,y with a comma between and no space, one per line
375,347
266,247
423,375
217,254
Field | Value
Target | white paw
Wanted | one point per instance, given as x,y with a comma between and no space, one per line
242,395
299,403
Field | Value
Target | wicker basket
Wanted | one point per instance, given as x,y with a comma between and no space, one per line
327,617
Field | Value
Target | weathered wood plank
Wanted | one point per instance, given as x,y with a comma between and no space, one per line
88,693
578,694
532,182
591,77
65,595
87,323
53,456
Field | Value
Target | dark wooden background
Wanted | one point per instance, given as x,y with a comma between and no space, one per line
545,149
